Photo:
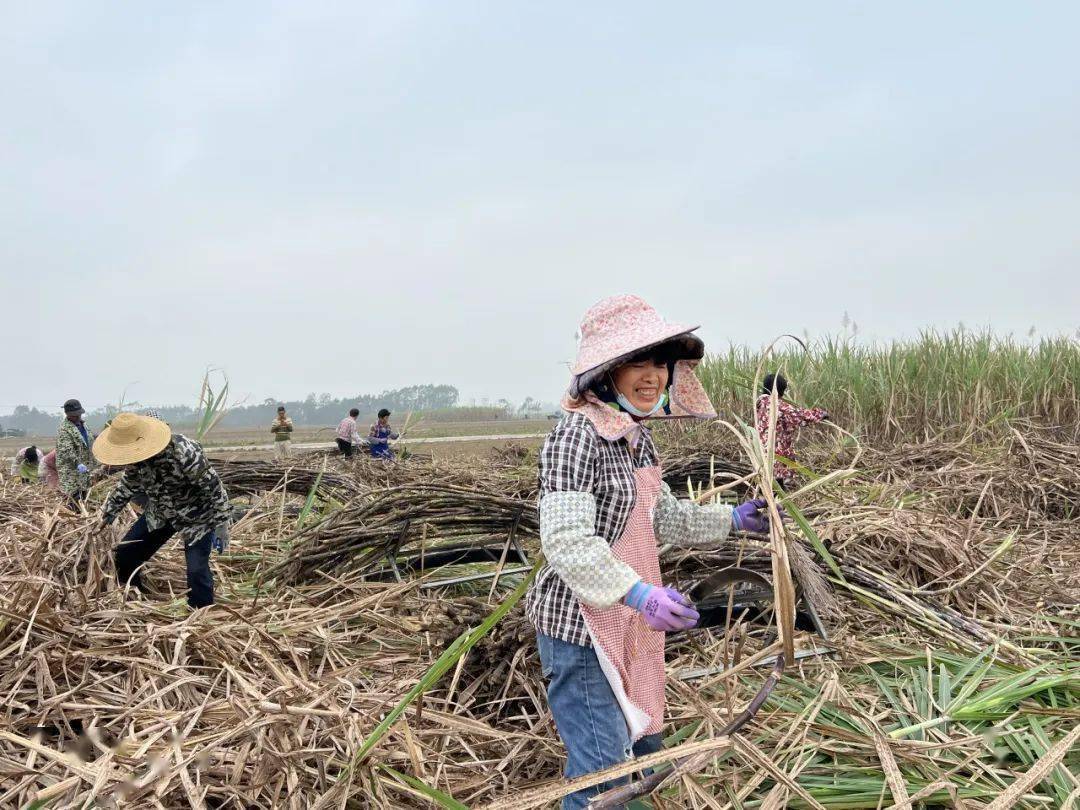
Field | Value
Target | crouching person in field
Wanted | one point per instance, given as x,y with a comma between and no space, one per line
184,496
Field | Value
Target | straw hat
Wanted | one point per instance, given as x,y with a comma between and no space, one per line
130,438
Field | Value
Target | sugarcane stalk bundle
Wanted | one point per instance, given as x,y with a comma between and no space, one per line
407,519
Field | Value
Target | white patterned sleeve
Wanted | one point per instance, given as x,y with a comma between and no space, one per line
580,556
685,523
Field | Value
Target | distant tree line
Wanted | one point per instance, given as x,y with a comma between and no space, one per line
315,409
30,420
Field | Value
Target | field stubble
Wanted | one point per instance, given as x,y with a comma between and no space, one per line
954,680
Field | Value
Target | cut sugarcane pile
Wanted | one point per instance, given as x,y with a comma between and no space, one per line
410,518
955,679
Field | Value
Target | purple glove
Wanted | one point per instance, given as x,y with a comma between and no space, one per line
664,609
751,516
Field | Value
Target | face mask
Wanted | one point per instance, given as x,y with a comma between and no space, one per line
624,403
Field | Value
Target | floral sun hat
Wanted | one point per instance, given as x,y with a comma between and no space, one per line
613,331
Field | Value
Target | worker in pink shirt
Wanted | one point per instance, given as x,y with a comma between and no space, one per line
789,418
48,470
348,437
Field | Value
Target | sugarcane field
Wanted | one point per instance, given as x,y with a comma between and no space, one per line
558,406
905,637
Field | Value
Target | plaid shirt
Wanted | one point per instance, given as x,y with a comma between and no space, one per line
575,458
182,490
789,418
347,432
587,492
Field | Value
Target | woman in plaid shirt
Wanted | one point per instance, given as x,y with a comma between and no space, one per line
598,604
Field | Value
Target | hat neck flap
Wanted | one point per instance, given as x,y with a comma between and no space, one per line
687,400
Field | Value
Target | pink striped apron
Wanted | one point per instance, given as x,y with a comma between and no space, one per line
631,653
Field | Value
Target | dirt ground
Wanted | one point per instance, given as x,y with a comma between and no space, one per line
470,449
225,437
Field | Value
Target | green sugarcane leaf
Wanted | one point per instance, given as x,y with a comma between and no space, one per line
437,796
970,686
310,501
810,534
461,645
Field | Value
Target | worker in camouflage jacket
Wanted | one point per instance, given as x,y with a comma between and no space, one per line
184,497
73,457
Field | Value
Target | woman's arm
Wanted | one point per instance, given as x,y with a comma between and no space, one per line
685,523
581,557
808,416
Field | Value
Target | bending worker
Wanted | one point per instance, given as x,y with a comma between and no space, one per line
789,418
49,472
27,464
184,497
598,604
348,437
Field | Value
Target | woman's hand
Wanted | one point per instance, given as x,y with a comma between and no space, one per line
664,609
751,516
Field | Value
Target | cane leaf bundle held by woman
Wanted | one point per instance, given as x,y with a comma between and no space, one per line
599,606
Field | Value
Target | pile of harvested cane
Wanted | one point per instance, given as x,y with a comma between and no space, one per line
951,678
247,477
408,518
509,470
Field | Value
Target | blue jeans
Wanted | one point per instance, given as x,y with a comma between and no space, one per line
140,544
590,722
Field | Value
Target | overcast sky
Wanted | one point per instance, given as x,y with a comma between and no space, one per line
348,197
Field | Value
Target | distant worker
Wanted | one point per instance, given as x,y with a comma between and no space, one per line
380,435
27,464
348,436
789,418
184,497
48,471
73,458
282,429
